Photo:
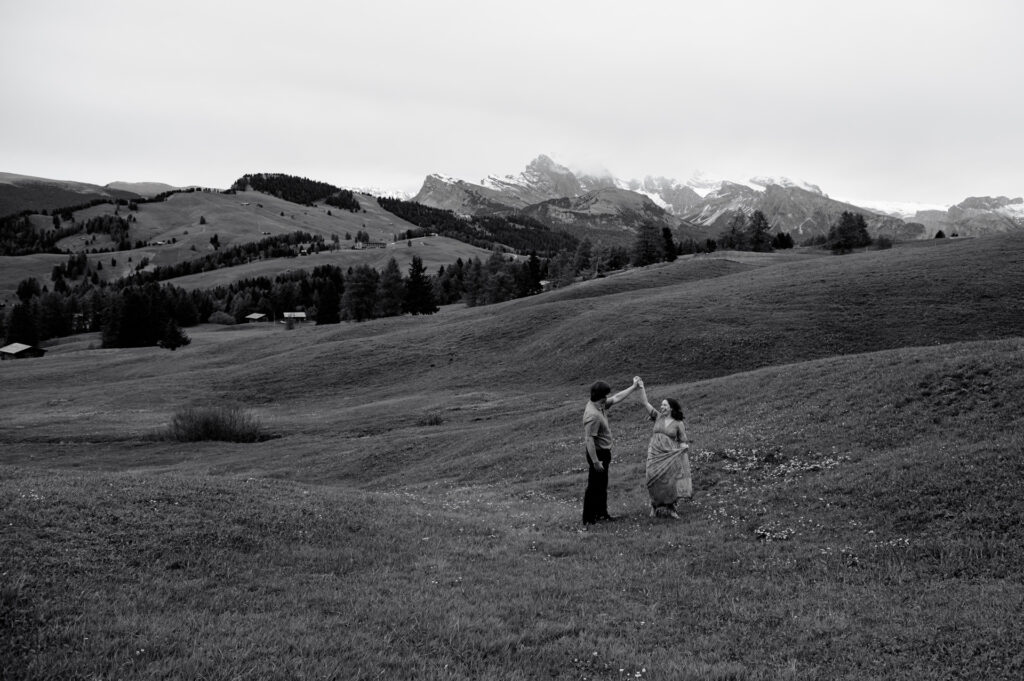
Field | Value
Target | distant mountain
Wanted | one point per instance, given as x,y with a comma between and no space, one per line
23,192
595,206
974,216
465,198
610,208
609,214
146,189
799,210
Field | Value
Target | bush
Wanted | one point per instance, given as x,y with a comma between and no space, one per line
224,424
432,419
221,317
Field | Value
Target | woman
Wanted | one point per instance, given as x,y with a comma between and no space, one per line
668,465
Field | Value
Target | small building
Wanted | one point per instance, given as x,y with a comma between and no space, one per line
294,316
256,317
20,351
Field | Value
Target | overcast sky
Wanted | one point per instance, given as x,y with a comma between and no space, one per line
896,100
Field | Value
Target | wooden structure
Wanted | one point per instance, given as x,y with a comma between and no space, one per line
20,351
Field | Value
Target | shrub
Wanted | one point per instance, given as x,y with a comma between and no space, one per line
225,424
221,317
432,419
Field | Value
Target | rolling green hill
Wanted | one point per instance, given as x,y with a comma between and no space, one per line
173,234
415,513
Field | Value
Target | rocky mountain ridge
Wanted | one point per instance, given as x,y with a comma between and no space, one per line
701,206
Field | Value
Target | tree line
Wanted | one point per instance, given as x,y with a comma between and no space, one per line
136,311
519,233
301,190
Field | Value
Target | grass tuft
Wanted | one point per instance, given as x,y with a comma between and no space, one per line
223,424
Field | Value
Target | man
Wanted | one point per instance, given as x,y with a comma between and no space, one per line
597,438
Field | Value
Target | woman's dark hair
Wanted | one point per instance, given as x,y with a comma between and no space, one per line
675,408
598,390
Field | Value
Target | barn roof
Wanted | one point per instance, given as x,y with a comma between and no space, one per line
15,348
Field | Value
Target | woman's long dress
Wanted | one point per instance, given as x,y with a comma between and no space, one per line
668,465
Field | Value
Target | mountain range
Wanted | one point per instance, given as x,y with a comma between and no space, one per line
602,206
605,208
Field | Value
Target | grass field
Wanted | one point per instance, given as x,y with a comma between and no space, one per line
413,509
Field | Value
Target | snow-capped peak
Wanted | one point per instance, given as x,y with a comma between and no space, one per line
704,183
763,182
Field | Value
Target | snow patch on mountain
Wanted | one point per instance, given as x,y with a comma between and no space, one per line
654,197
1013,210
381,193
763,183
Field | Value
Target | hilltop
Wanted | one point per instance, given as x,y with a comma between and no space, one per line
179,229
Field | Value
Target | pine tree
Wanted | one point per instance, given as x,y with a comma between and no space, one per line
669,245
734,238
474,280
390,291
419,291
360,298
329,309
647,248
849,233
173,337
759,233
582,259
21,326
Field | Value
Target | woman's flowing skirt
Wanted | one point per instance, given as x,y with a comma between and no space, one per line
668,473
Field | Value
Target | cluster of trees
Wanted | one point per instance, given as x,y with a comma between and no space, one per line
281,246
299,190
18,236
136,312
344,199
516,232
129,316
752,233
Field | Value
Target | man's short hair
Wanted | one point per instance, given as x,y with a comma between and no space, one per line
599,390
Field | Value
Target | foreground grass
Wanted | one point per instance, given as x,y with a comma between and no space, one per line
127,576
834,535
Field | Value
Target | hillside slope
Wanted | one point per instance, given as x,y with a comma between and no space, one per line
180,228
713,325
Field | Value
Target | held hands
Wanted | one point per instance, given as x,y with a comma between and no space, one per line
638,382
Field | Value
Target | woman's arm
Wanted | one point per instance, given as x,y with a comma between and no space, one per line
644,401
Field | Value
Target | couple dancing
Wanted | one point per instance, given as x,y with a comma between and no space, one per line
668,466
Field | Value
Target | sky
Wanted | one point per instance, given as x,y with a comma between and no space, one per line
916,101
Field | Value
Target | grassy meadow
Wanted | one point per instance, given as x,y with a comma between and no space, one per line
412,507
236,219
